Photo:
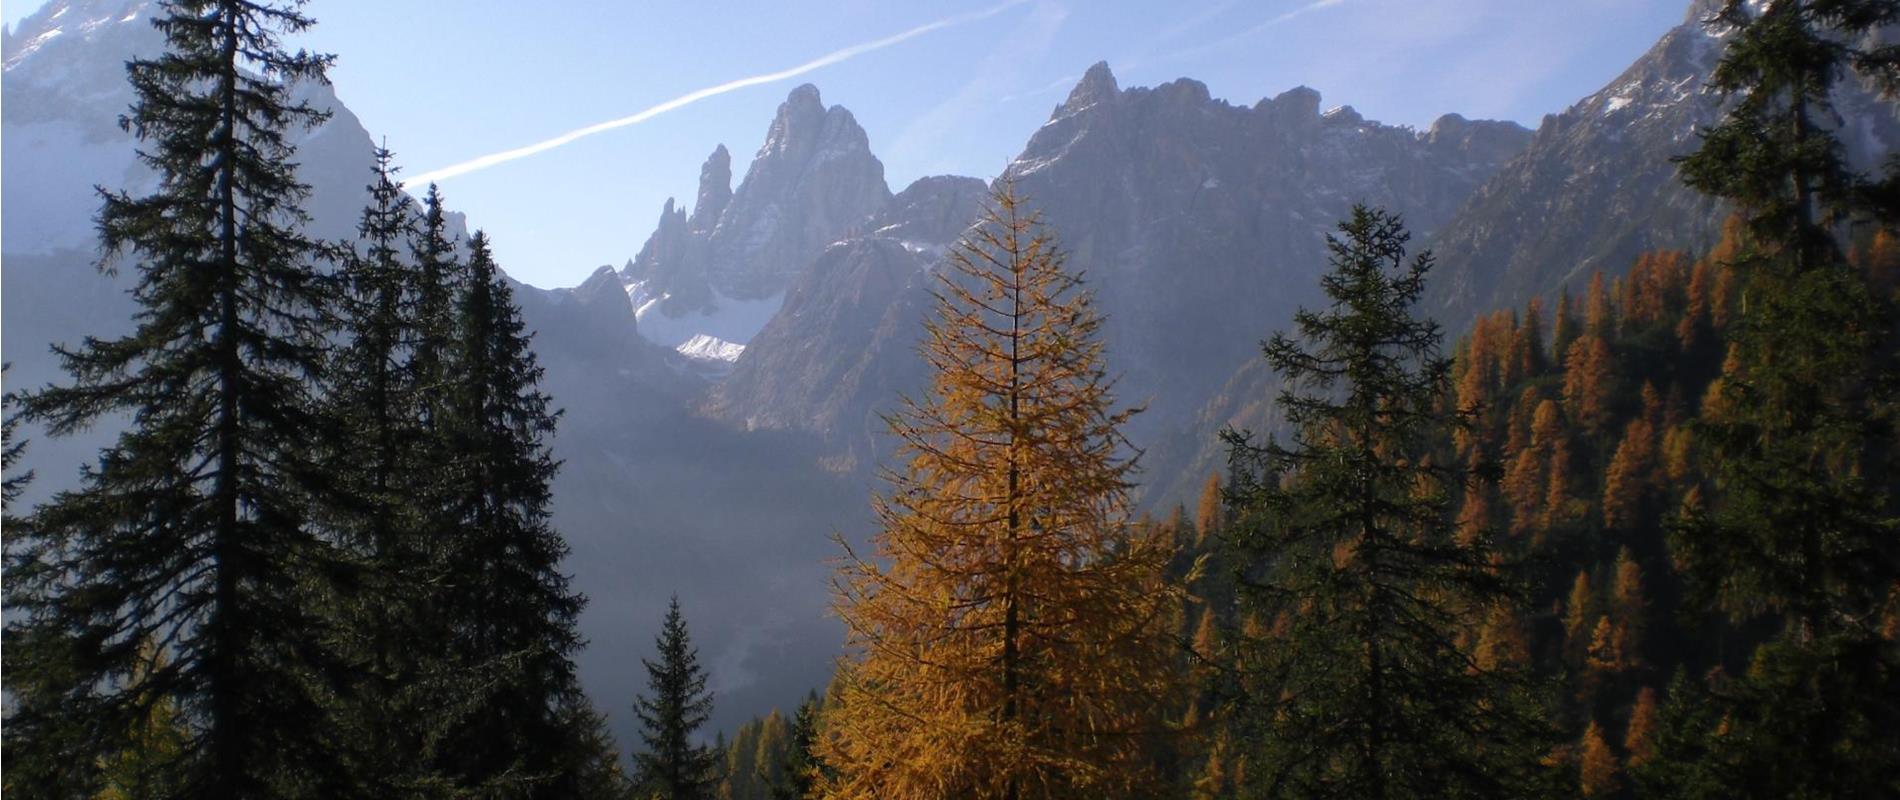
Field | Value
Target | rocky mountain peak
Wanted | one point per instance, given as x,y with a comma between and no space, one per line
814,177
797,124
1097,84
725,270
715,190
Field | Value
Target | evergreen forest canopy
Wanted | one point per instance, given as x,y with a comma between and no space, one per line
1643,541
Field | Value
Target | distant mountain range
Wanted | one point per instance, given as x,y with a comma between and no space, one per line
723,388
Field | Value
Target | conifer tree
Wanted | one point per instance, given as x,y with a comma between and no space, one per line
1589,382
1628,606
1207,513
592,769
1597,764
1579,612
800,774
671,766
1013,643
1563,327
374,448
1803,527
1599,316
501,589
192,529
1365,692
1626,481
1640,740
437,279
12,448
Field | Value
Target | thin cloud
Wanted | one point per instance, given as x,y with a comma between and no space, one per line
689,98
1255,30
925,134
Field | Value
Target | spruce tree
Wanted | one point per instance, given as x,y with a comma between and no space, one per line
375,447
672,767
437,277
1802,529
799,775
12,448
192,529
500,590
1357,687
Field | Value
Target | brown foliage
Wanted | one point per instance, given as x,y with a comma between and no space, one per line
1010,632
1596,765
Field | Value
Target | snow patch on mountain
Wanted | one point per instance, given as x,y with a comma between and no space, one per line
710,348
725,319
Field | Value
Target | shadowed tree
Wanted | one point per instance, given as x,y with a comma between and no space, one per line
1362,689
671,766
192,529
1802,529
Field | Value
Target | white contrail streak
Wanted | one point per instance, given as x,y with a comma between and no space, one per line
825,60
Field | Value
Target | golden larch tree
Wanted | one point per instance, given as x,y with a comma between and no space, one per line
1596,765
1008,636
1589,382
1640,738
1207,514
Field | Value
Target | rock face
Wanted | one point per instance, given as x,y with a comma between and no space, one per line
1199,224
824,360
1597,186
812,180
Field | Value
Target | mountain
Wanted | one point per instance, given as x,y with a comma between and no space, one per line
822,360
714,278
1200,225
1597,186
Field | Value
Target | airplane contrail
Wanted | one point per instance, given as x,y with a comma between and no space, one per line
689,98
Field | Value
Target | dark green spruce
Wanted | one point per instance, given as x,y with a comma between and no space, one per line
12,448
1803,532
192,530
671,766
505,606
801,770
1355,685
376,449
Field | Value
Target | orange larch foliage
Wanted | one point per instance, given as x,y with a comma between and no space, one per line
1603,655
1563,326
1596,764
1589,382
1517,434
1207,513
1627,480
1503,642
1009,637
1640,739
1599,317
1579,613
1527,341
1654,288
1561,506
1881,261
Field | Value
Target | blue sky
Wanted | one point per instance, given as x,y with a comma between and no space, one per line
448,82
